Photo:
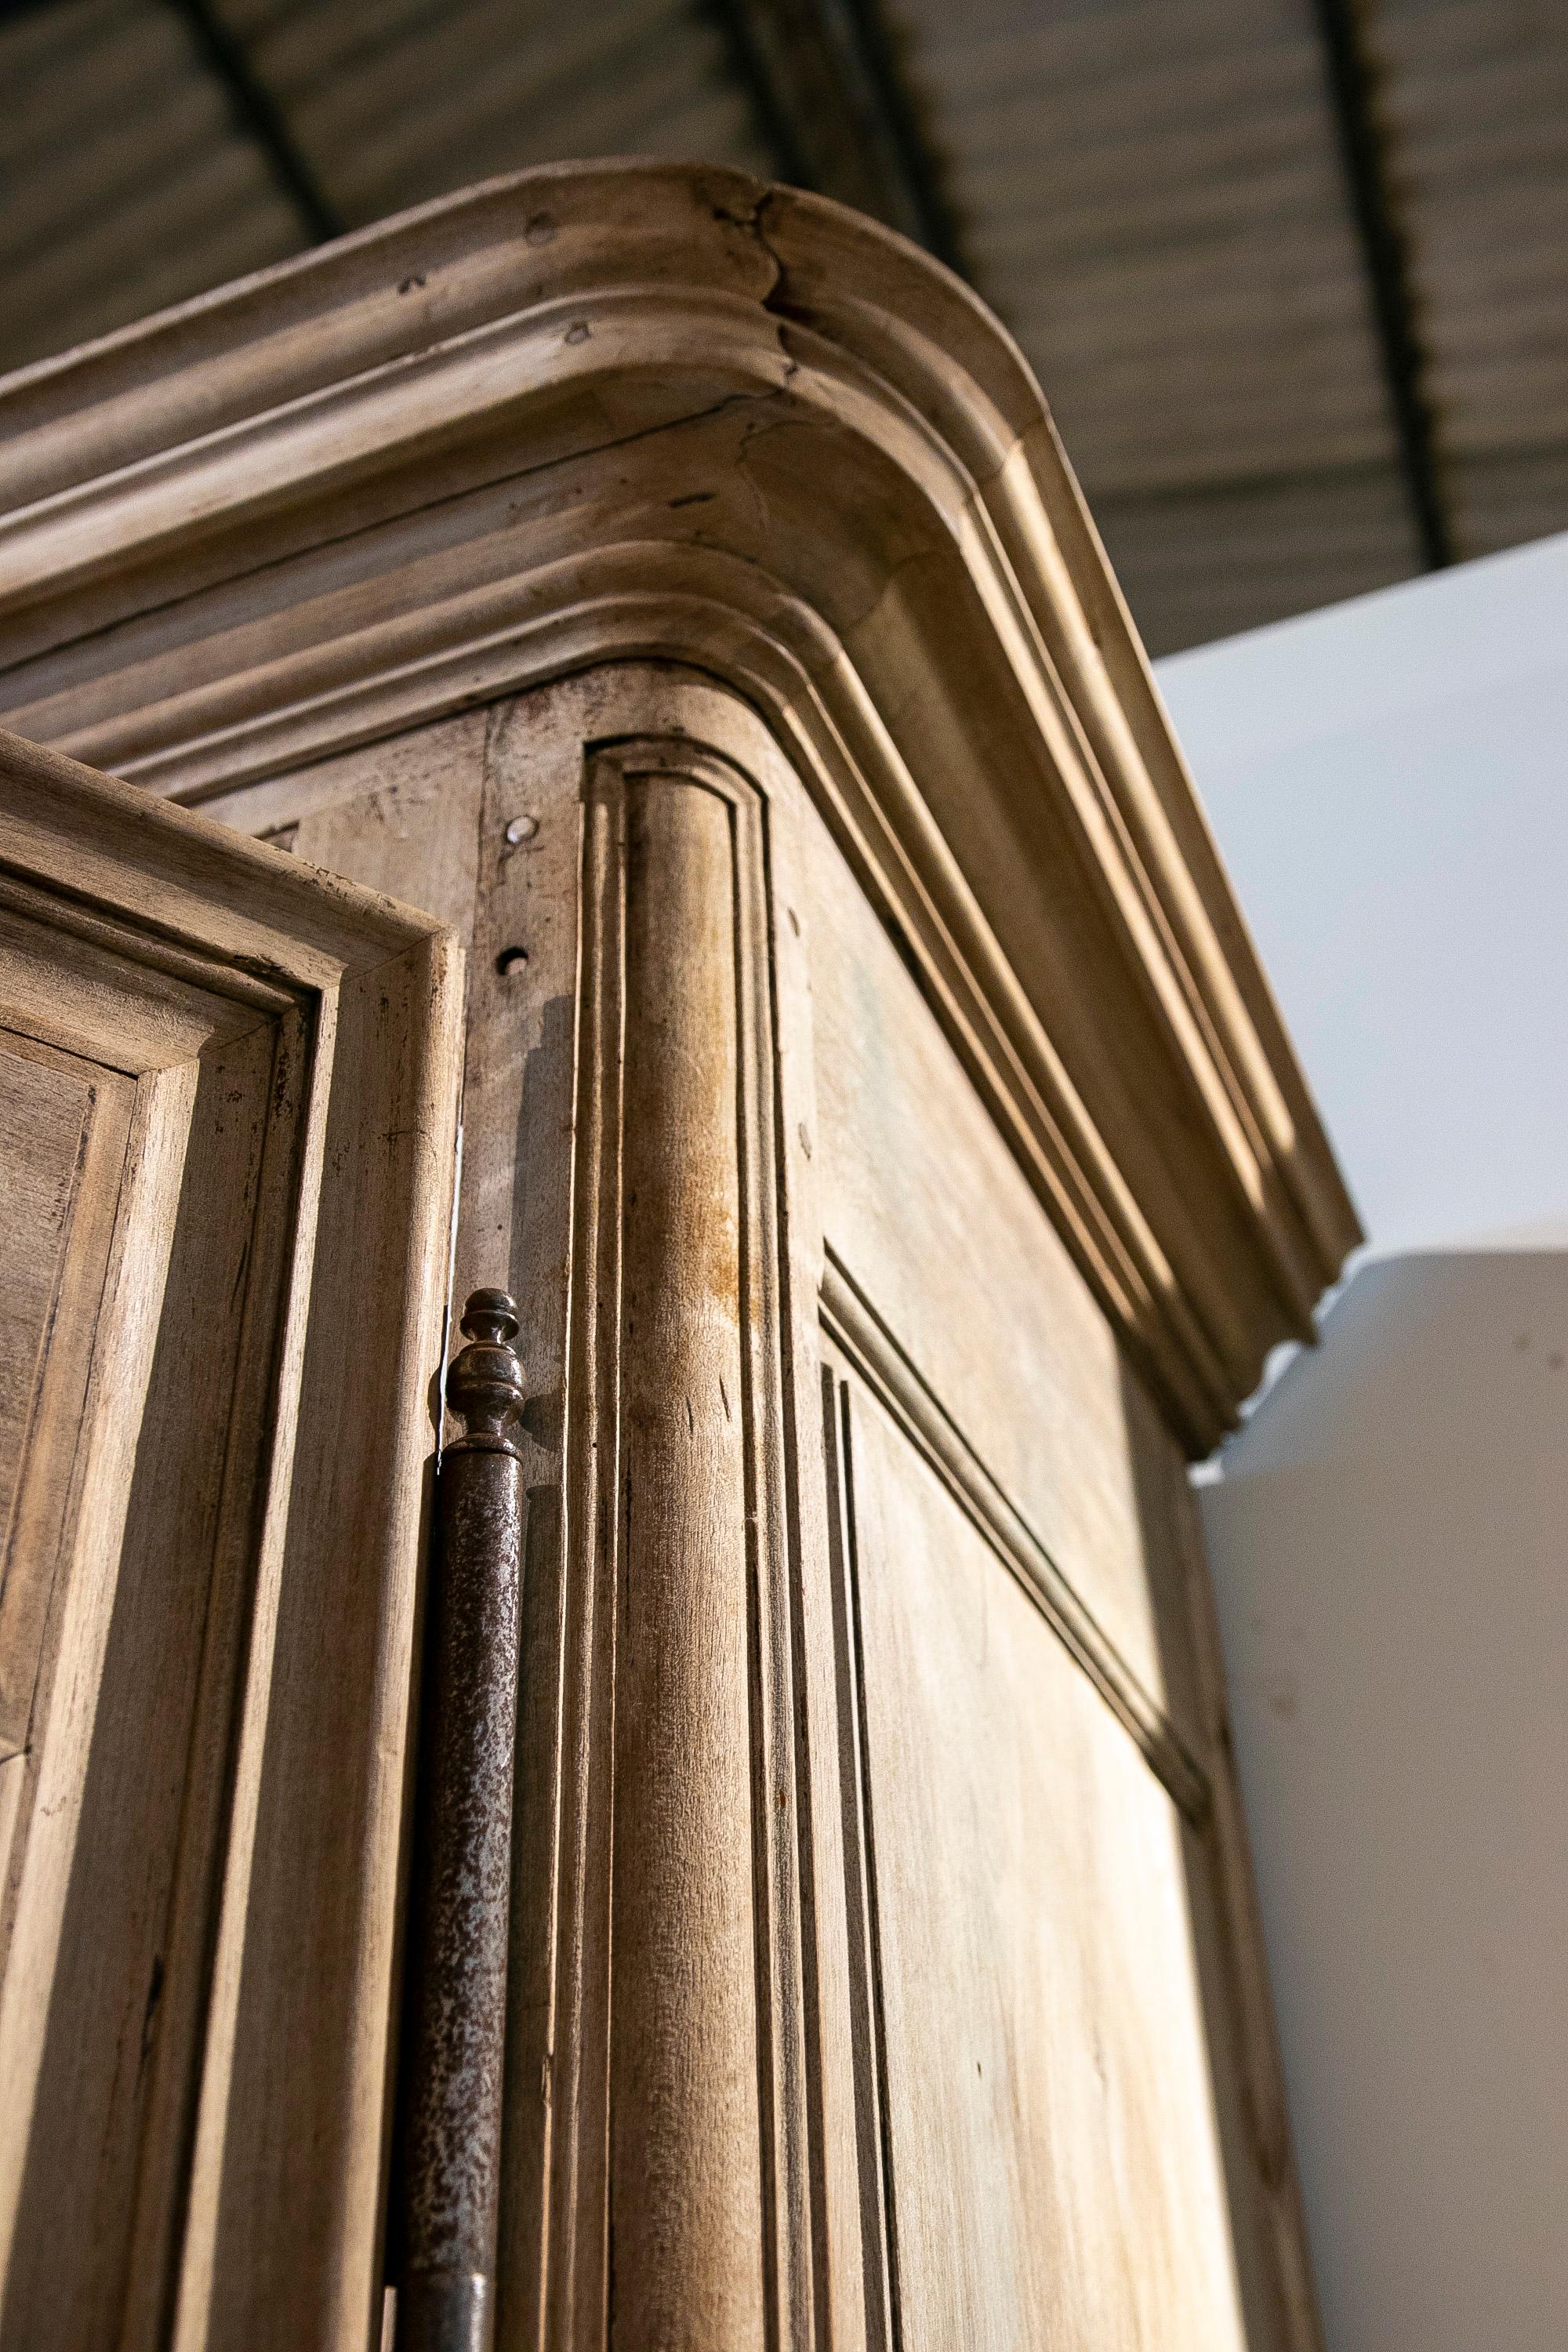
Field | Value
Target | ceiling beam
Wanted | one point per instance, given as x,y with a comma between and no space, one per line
260,118
1352,77
837,115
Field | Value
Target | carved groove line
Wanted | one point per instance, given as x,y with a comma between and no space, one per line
575,2287
878,2205
851,1322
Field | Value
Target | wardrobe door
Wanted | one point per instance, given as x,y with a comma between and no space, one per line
228,1114
1052,1950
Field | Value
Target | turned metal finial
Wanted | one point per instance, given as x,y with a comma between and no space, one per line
484,1384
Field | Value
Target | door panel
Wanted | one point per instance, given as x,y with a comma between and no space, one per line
227,1100
1055,2169
968,1332
63,1128
44,1116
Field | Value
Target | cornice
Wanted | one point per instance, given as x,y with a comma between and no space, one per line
639,411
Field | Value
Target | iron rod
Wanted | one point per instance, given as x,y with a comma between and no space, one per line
447,2177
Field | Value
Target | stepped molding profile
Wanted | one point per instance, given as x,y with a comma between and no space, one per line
641,411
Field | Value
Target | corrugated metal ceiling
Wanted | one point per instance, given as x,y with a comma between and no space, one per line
1156,195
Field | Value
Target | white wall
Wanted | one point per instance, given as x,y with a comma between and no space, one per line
1389,1544
1389,1533
1389,783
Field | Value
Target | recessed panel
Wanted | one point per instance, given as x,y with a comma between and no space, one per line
1054,2169
43,1120
62,1134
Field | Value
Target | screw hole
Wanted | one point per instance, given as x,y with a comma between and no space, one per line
510,959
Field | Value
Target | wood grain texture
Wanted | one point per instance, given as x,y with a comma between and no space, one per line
1050,2144
686,2195
332,1657
681,1984
787,450
802,1046
165,1669
858,1332
544,1196
62,1191
258,1257
413,829
43,1125
846,945
928,1215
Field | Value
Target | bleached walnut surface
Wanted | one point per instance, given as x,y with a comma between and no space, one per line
673,586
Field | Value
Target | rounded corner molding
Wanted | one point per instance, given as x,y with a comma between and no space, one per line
605,411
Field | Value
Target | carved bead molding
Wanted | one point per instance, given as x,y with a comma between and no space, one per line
606,411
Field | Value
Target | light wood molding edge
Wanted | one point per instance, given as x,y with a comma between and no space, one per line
283,1381
610,412
678,1504
854,1325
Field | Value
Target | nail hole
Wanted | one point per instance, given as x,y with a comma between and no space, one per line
510,959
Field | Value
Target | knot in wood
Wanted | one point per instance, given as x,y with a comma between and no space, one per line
485,1386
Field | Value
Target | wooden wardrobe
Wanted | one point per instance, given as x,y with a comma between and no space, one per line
639,791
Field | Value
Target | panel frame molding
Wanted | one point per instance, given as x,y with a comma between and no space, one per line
853,1325
881,2287
41,1501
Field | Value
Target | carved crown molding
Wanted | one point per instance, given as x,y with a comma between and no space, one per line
613,411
